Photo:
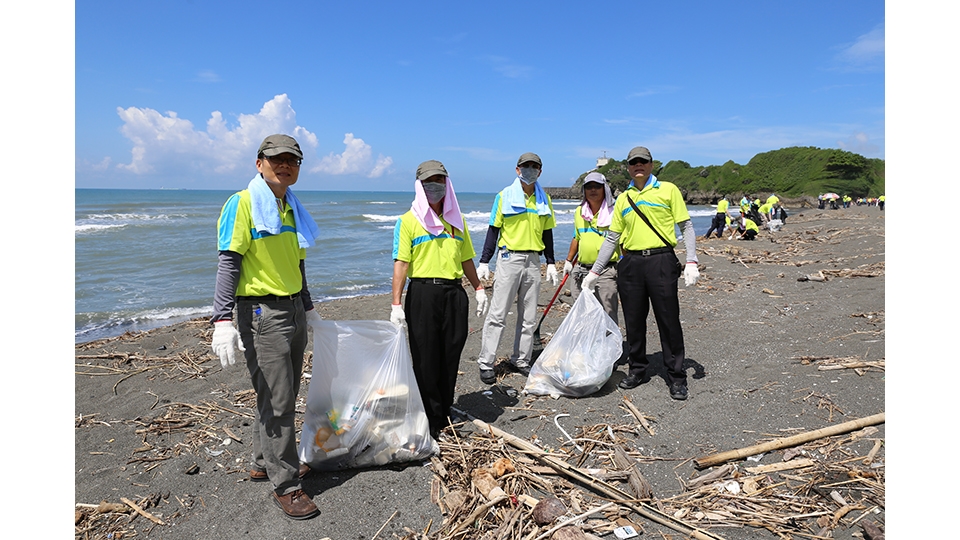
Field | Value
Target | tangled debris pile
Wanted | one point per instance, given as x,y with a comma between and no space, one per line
493,485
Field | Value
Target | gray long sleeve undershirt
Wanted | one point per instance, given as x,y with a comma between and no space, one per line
228,275
613,238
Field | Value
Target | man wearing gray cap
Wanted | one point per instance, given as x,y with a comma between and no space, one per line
521,228
262,235
647,274
432,247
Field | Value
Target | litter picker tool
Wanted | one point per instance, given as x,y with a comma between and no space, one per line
537,342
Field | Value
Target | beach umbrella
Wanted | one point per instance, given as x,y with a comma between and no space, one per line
830,196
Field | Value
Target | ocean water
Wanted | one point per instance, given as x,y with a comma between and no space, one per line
147,258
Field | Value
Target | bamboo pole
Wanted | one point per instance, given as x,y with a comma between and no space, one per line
786,442
621,497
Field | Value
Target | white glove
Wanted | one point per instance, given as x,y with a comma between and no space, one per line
483,271
590,281
691,273
397,316
567,267
552,274
226,342
313,318
481,301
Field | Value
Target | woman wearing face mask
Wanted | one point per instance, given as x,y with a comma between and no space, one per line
521,228
432,247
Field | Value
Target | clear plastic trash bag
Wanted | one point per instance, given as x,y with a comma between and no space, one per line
580,358
775,225
363,404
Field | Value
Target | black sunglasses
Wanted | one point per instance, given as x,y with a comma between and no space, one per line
639,160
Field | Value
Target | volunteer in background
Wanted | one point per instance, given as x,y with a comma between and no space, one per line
648,270
747,230
521,228
721,219
432,247
591,221
262,233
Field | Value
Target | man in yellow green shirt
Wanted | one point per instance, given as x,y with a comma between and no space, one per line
520,230
649,270
432,248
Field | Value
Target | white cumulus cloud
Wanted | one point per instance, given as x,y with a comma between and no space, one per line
165,142
357,158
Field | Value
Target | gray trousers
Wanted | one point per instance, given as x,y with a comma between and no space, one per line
517,279
275,336
606,291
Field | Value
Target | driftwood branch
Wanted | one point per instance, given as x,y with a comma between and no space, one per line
619,496
639,416
786,442
141,511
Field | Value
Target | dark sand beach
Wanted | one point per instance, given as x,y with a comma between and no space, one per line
784,335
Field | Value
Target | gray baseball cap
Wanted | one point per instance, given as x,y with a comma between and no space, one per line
595,177
429,168
529,156
275,145
639,152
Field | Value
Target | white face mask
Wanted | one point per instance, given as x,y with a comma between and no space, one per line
529,175
434,191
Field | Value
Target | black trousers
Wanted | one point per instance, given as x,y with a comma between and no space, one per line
437,325
719,223
652,281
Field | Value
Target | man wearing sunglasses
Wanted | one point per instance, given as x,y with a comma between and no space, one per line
647,274
262,235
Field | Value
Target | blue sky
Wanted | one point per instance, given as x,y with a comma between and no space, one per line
180,93
476,87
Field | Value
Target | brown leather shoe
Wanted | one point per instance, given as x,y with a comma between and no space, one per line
296,504
261,476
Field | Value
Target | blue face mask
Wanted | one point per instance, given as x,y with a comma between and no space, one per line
529,175
434,191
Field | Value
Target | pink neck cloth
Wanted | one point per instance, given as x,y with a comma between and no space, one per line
428,218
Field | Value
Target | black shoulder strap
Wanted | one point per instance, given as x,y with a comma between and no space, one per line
647,221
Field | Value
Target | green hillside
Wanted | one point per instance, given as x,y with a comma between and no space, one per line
790,172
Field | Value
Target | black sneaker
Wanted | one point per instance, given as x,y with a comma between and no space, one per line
487,376
678,391
629,382
523,370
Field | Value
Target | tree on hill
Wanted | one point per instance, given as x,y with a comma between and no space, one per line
790,172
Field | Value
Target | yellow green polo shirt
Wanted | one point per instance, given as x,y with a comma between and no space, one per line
749,225
722,206
523,231
270,263
772,200
431,256
766,208
589,238
663,205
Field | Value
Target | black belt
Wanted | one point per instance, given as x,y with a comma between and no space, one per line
436,281
646,252
268,298
590,266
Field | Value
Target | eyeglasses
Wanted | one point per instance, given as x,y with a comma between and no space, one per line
639,161
277,160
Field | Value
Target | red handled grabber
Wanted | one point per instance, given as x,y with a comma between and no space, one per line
537,342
